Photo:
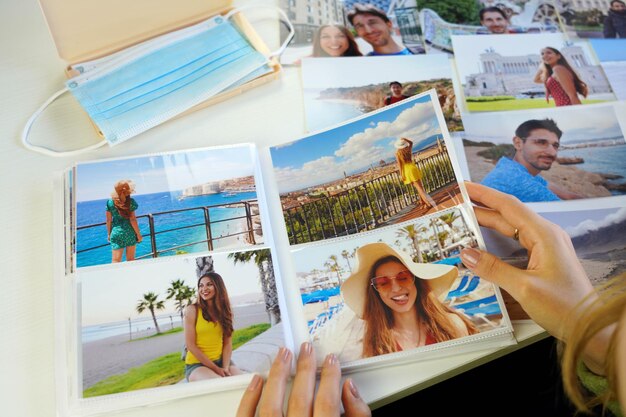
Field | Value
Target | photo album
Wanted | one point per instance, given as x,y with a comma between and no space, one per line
184,273
229,253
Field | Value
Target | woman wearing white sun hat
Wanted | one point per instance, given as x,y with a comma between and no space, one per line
401,301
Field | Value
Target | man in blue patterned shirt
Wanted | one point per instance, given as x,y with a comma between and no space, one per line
536,145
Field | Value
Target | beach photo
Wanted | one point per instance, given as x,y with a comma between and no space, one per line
548,155
528,71
339,90
598,233
354,290
440,20
380,169
612,56
348,28
177,320
166,204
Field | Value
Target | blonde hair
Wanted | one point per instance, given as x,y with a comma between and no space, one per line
120,196
601,313
379,322
404,155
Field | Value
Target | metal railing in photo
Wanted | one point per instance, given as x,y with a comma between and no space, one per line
367,205
210,240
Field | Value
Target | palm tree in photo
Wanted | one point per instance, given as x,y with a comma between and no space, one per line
346,255
151,302
334,267
182,294
433,224
263,260
412,233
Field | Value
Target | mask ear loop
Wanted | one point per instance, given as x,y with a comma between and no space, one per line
290,36
49,151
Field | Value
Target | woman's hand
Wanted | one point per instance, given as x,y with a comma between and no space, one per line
302,400
554,281
139,238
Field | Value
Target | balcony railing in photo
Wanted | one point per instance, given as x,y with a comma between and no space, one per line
207,223
365,206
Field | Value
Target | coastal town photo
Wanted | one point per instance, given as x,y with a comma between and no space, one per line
338,90
345,180
177,203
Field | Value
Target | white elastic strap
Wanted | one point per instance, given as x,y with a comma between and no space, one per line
49,151
292,31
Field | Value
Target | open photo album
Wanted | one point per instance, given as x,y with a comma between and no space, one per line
183,273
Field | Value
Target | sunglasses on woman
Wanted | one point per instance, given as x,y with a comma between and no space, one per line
383,283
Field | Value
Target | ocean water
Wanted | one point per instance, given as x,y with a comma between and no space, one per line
137,325
601,160
322,114
94,212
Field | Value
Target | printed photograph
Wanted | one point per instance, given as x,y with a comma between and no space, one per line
178,320
384,168
395,290
440,20
339,90
593,19
612,56
163,205
527,72
548,155
348,28
598,235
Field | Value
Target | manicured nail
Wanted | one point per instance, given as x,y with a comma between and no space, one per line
331,359
306,348
470,257
353,390
283,354
254,384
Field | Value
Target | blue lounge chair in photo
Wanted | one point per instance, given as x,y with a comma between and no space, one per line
463,289
482,309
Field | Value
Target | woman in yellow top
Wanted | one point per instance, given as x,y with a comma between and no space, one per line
208,332
410,173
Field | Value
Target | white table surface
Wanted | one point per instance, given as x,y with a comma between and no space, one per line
30,71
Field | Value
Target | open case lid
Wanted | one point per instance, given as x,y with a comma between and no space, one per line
87,29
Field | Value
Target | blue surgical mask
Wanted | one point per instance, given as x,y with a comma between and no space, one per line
140,87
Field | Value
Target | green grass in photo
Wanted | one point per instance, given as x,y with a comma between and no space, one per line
516,104
166,370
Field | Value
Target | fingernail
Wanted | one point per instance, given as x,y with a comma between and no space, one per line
306,348
283,354
470,257
254,384
331,359
353,390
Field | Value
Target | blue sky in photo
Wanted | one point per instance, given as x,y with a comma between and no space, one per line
609,49
353,146
164,172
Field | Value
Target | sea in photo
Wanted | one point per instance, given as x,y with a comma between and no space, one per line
589,162
191,201
175,229
130,321
340,89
